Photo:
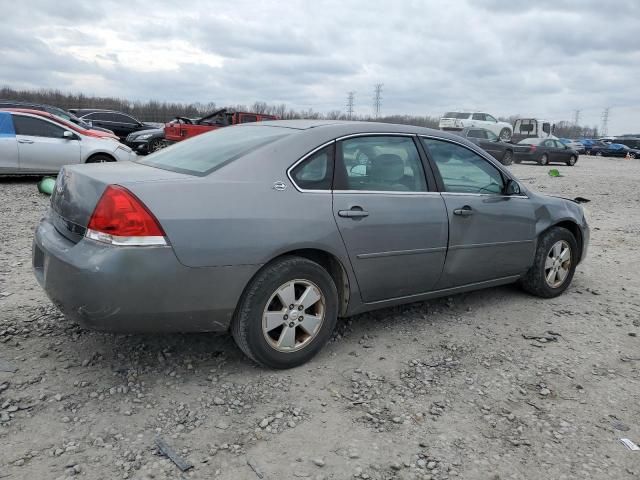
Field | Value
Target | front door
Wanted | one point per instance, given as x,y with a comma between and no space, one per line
491,235
42,147
394,229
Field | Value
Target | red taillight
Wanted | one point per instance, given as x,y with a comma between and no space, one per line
121,218
533,148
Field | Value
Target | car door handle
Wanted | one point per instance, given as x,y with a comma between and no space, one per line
464,211
24,140
355,212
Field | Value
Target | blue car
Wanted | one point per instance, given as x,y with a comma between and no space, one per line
576,145
616,150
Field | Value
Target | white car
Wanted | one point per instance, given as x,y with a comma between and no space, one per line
32,143
456,121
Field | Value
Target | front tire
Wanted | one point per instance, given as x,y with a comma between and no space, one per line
287,313
544,159
505,134
554,264
100,158
156,144
507,158
572,160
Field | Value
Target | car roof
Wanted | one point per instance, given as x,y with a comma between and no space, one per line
50,116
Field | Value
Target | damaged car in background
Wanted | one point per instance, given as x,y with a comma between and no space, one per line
273,231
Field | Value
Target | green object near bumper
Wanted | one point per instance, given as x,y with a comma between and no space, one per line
46,185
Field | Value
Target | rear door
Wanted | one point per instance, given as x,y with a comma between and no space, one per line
9,159
42,148
393,227
491,235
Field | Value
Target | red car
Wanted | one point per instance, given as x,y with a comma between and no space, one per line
182,128
69,125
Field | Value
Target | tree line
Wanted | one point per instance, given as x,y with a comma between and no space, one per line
156,111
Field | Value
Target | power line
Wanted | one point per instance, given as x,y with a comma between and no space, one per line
605,122
351,96
377,98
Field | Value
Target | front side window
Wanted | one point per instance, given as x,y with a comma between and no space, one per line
489,118
379,163
476,134
315,172
548,143
462,170
121,118
491,136
36,127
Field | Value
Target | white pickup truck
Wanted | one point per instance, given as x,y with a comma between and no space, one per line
456,121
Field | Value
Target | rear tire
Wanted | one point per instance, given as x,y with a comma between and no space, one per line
505,134
541,280
100,158
572,160
288,344
544,159
507,158
155,145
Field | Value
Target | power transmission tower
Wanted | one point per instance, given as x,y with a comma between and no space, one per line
605,122
576,117
350,100
377,98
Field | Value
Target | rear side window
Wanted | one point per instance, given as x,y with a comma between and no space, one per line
379,163
479,116
476,134
35,127
205,153
458,115
315,172
248,119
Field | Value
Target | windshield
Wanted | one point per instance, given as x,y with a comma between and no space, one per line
456,115
205,153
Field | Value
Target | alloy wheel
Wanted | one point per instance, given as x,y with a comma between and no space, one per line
557,264
293,315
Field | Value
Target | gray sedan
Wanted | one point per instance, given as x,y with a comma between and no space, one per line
272,231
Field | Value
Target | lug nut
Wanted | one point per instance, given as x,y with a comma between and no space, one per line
291,307
301,307
286,317
291,325
300,318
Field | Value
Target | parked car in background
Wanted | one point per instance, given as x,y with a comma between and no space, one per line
532,128
631,142
33,144
492,144
616,150
575,144
545,151
58,112
205,224
122,124
65,123
456,121
146,141
591,146
182,128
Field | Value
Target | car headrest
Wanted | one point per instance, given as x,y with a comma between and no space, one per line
387,168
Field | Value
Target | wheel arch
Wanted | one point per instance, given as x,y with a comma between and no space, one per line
100,154
574,228
330,262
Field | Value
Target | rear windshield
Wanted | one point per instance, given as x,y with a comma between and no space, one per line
205,153
456,115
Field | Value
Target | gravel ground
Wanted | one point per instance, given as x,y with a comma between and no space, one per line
452,388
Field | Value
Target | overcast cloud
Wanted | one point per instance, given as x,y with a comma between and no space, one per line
544,58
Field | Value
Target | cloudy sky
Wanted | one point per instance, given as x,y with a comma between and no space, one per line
542,58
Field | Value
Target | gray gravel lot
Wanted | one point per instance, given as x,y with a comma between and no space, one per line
450,388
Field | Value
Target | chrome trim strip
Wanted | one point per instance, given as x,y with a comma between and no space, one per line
461,194
416,251
302,159
386,192
371,134
494,244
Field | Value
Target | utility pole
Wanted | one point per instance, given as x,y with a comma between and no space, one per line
377,98
605,122
350,100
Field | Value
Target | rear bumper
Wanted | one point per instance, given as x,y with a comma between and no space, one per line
134,289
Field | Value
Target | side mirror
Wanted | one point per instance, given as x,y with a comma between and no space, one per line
68,135
512,188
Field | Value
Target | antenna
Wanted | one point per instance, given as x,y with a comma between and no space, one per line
350,100
377,98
